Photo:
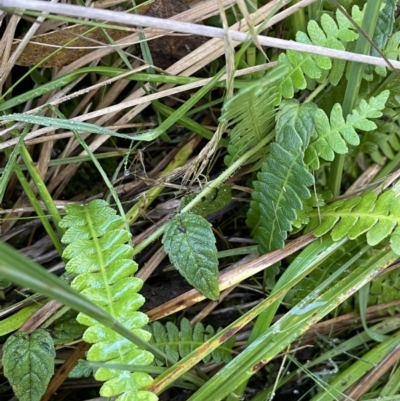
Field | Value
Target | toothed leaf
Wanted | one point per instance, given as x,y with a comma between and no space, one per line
190,245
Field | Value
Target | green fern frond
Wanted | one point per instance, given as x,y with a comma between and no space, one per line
377,216
333,134
176,342
281,186
251,113
101,259
332,34
382,143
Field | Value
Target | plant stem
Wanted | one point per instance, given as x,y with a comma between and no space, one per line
208,189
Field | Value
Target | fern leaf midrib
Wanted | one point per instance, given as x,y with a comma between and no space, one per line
333,130
305,59
286,182
255,123
100,258
355,215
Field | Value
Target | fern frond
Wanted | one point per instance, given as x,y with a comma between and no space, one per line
377,216
251,113
333,134
382,143
101,259
176,342
332,34
281,186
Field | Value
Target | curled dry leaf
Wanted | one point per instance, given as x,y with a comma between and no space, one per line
165,50
168,49
42,46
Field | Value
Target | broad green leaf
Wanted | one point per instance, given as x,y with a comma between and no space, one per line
28,361
190,245
384,26
178,343
328,34
82,369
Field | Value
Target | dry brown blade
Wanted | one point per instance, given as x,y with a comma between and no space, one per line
229,52
230,277
179,66
201,57
61,179
198,165
40,316
149,267
5,71
195,14
42,46
5,48
342,323
358,390
117,108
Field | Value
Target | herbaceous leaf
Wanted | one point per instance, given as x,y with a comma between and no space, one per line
211,203
190,245
250,113
66,329
377,216
281,186
335,133
28,361
384,142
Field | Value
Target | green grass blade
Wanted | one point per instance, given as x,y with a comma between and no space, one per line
19,269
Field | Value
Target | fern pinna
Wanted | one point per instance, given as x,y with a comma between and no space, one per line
376,215
178,342
101,259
